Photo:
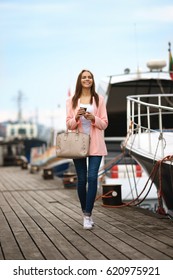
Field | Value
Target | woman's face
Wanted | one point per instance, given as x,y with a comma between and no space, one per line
86,79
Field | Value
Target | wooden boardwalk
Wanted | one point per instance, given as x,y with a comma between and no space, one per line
41,220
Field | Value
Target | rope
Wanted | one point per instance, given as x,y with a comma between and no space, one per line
156,168
116,160
152,176
160,209
110,163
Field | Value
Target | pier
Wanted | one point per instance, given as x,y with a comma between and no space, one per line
41,220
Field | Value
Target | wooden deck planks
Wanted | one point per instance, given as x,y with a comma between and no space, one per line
128,236
62,221
40,219
137,239
9,247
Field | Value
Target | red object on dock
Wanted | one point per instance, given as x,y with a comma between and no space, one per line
138,170
122,171
114,171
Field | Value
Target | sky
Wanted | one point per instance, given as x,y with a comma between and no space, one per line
45,44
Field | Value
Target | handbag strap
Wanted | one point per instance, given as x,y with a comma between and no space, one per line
76,130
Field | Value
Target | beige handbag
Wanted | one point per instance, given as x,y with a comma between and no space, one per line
72,144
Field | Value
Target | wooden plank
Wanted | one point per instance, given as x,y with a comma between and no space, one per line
152,247
1,253
70,222
2,186
65,226
15,179
9,245
129,238
40,246
26,244
62,226
42,220
126,238
100,233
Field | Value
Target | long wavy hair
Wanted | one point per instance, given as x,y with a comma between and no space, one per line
78,90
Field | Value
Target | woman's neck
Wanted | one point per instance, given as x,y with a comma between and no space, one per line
86,92
85,96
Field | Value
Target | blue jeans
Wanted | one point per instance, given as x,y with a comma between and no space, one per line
87,172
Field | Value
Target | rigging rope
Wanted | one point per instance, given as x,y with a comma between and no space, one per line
156,169
132,202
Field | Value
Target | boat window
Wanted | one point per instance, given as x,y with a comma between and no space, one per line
12,131
22,131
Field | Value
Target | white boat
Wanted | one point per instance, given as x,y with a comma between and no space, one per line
116,88
149,141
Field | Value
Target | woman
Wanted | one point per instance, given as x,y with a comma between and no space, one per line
87,111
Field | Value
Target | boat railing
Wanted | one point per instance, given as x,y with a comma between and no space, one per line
148,113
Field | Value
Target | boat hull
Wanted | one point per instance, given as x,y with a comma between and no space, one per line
164,184
60,168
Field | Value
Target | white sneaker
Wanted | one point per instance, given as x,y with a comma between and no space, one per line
91,221
86,223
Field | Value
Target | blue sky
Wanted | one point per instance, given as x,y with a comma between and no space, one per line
45,44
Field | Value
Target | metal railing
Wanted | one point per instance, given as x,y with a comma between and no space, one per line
147,113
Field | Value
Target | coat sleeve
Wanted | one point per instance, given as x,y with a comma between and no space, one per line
71,122
101,118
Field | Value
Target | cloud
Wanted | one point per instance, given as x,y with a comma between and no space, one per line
160,13
26,7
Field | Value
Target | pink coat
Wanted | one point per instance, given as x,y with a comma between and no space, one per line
97,144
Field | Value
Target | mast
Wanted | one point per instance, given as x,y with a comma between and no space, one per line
170,69
169,45
19,105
